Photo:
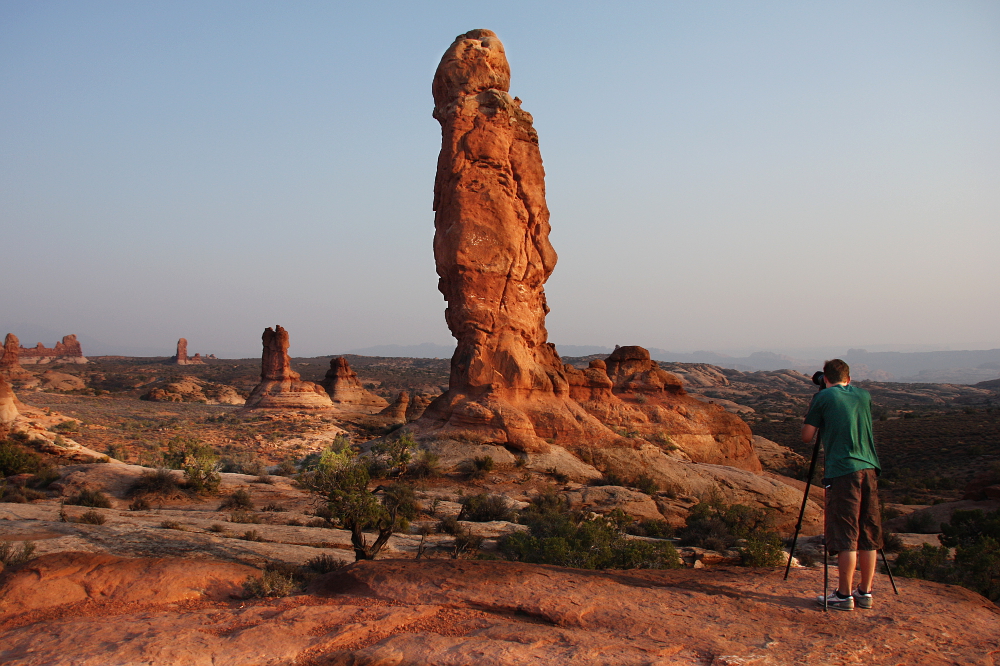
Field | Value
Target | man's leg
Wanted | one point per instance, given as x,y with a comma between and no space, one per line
847,561
867,559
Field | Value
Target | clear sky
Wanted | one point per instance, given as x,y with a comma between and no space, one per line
721,175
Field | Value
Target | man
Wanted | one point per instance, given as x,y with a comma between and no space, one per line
842,414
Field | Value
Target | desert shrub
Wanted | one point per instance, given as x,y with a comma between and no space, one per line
92,518
609,479
92,498
45,476
269,584
243,464
717,526
891,543
975,536
12,556
391,456
170,525
480,466
465,541
244,517
485,507
65,426
920,522
12,495
570,540
218,528
140,503
294,522
264,478
240,499
652,527
560,477
448,525
646,484
199,462
319,522
425,464
343,480
273,507
159,482
252,535
323,564
285,468
15,459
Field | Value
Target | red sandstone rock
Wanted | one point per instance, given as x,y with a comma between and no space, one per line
8,403
68,350
181,357
397,410
281,387
347,392
493,257
9,358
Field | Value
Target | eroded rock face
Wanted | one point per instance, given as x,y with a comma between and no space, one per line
67,350
346,390
193,389
397,410
8,403
493,257
281,387
181,357
9,359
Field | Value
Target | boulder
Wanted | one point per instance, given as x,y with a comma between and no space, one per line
281,387
346,391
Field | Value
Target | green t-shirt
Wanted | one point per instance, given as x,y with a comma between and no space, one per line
843,415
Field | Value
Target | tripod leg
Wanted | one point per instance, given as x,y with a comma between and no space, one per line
802,511
889,571
826,576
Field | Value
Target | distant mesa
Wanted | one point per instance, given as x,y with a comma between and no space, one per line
181,357
67,350
346,391
280,387
493,257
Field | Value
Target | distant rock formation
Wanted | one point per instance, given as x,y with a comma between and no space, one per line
181,357
407,406
9,361
193,389
347,392
67,350
8,403
493,256
280,387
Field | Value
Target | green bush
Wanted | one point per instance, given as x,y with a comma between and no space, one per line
15,459
920,522
11,556
391,456
425,464
92,518
558,536
199,462
269,584
480,466
323,564
244,517
240,499
92,498
252,535
159,482
646,484
484,507
714,525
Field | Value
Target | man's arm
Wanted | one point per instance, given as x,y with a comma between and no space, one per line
808,432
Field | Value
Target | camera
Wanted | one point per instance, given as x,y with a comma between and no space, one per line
818,379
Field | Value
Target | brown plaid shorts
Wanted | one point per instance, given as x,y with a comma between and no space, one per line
853,521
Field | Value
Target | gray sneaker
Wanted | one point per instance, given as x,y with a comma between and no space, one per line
862,599
833,602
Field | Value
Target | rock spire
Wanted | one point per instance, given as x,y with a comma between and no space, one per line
281,387
347,392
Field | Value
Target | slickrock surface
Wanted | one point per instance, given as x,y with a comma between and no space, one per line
493,256
447,612
346,391
67,350
281,387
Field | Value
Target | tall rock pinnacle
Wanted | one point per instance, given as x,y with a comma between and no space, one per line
281,387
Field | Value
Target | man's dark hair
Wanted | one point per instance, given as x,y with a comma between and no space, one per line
836,371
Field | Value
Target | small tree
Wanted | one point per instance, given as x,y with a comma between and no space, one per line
393,455
343,479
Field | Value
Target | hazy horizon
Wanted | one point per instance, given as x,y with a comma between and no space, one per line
728,178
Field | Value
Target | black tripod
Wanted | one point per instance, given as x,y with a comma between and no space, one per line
798,527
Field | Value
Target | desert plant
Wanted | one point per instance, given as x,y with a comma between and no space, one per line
92,518
285,468
92,498
323,564
717,526
159,482
252,535
653,528
239,499
425,464
273,507
199,462
15,459
920,522
485,507
560,477
609,479
269,584
65,426
140,503
244,517
646,484
465,542
264,478
218,528
391,456
11,556
170,525
480,466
